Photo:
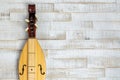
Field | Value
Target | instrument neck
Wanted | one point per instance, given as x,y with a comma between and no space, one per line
32,21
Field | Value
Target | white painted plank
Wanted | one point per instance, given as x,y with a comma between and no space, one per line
66,63
50,35
112,72
78,25
76,44
78,73
95,17
103,62
45,7
106,25
57,44
11,25
30,1
8,61
4,16
90,1
42,16
108,79
118,1
8,45
7,6
8,35
9,75
52,78
92,35
57,1
9,79
83,53
85,7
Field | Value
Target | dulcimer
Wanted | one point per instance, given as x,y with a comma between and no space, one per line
32,61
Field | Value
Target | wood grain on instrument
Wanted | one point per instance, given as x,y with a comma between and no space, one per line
32,56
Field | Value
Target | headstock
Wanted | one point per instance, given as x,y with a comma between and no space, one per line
31,21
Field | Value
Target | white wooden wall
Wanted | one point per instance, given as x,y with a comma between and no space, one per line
80,38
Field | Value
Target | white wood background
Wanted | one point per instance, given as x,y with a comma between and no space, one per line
80,38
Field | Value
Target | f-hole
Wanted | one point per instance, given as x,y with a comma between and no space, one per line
42,73
22,70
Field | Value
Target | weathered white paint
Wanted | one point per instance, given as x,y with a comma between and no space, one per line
67,63
112,72
96,16
56,1
83,53
93,35
72,25
78,73
85,7
104,62
107,25
108,79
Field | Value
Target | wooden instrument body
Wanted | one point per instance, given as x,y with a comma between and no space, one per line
32,62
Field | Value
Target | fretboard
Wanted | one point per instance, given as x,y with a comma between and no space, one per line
31,60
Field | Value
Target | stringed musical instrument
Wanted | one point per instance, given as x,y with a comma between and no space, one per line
32,61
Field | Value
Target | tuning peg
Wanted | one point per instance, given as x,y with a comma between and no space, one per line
36,25
26,29
26,20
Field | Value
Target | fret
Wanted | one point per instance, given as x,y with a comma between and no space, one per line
31,59
31,66
31,46
31,76
31,73
31,53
